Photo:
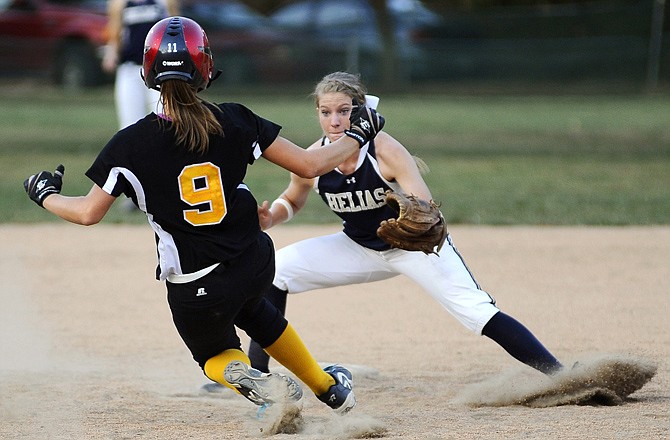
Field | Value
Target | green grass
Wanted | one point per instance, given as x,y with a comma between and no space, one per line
592,160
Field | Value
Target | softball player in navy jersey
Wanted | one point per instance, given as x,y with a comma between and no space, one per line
354,191
129,23
185,169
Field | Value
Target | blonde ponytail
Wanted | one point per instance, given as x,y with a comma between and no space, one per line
421,164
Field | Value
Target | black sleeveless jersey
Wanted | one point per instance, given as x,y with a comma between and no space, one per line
198,205
358,199
138,17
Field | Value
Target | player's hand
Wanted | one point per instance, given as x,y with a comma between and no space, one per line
265,216
41,185
365,124
110,59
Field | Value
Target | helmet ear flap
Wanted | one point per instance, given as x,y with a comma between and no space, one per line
214,77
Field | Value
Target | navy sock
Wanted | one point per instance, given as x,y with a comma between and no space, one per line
519,342
260,360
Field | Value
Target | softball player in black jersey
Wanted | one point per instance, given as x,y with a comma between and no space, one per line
354,191
185,169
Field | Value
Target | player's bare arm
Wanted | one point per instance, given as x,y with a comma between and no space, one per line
83,210
113,31
396,163
309,163
44,189
289,202
365,123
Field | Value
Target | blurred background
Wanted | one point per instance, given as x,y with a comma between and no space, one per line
395,44
527,112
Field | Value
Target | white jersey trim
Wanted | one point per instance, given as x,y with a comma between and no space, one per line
168,256
188,277
257,152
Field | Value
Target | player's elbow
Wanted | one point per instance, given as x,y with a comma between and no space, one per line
308,173
90,217
310,168
88,220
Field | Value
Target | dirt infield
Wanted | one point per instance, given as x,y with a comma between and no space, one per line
88,349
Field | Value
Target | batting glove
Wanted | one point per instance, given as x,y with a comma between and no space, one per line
365,124
41,185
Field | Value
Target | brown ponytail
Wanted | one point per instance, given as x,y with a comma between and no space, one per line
192,120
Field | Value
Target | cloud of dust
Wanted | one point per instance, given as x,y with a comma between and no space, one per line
286,418
595,380
351,425
26,355
23,341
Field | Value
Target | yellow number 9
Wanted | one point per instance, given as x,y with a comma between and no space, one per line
200,184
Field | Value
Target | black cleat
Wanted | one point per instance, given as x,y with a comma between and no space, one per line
340,397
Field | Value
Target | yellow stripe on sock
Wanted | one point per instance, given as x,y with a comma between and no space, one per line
290,351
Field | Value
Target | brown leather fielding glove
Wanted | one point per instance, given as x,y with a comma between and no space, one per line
419,226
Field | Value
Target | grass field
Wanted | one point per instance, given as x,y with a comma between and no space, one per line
590,159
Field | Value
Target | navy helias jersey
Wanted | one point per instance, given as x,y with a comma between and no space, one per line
138,17
358,199
198,205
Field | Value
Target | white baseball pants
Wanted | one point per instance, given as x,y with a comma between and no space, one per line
336,260
134,100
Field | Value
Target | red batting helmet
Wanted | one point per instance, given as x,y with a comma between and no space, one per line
177,48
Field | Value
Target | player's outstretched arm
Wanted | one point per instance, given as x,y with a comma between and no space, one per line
44,189
83,210
311,163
